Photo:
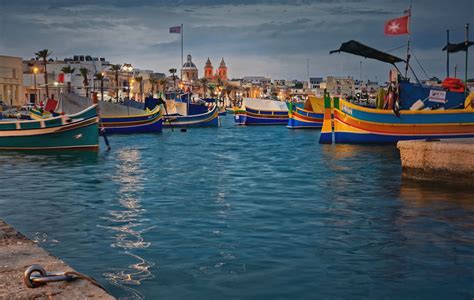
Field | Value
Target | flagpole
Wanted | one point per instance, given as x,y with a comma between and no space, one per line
182,51
408,43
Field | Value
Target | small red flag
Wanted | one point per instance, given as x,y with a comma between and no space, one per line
397,26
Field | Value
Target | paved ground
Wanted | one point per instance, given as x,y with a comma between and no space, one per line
17,253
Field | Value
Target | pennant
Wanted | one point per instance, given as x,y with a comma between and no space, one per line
397,26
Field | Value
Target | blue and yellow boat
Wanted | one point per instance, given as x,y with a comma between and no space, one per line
309,116
115,118
261,112
412,111
73,132
186,115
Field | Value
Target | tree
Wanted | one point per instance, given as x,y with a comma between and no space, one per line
85,81
163,85
139,79
100,76
68,70
173,71
116,69
204,82
44,54
153,82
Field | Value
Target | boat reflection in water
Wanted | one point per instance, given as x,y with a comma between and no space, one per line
129,223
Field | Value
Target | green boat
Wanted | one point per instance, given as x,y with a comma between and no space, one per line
77,131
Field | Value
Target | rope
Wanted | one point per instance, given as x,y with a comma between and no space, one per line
419,64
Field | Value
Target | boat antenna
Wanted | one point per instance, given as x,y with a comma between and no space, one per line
447,54
408,12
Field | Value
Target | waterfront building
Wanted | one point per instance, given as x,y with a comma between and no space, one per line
221,72
11,80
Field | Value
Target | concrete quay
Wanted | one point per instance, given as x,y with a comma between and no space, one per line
450,160
17,253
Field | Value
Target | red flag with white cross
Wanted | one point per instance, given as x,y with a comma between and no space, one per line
397,26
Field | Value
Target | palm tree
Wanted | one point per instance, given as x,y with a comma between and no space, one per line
100,76
204,82
44,54
153,82
116,69
139,79
68,70
84,72
173,71
163,85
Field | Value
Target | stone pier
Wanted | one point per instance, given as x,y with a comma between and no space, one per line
17,253
450,160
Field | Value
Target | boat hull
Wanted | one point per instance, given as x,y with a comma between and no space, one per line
209,119
148,123
59,133
301,119
251,119
358,125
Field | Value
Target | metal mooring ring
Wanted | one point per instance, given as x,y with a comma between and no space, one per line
29,271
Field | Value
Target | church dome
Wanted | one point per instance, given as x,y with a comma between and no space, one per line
189,65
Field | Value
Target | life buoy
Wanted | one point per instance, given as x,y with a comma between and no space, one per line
453,85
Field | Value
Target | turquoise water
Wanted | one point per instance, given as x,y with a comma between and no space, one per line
244,213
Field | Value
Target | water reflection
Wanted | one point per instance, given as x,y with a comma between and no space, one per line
128,222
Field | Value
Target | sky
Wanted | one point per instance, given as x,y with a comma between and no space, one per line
274,38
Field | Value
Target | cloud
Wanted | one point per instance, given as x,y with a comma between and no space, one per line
267,37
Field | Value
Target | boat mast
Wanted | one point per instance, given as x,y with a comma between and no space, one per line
447,54
408,42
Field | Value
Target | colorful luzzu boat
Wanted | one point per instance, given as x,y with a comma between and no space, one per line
444,114
116,118
261,112
361,125
179,115
309,116
74,132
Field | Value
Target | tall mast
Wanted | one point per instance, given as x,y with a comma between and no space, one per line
408,42
182,51
447,54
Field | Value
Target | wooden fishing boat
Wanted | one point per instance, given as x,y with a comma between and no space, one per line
206,119
356,124
311,115
446,115
183,114
261,112
75,131
116,118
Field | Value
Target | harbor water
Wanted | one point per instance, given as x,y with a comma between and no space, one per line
244,213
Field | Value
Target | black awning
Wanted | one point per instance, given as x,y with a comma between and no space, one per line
453,48
360,49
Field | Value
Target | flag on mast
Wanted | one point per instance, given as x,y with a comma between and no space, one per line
175,29
397,26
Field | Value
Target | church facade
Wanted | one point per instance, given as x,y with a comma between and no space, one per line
221,72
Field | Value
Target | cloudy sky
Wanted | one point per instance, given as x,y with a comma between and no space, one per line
261,37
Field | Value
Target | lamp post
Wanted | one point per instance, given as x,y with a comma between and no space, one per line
35,71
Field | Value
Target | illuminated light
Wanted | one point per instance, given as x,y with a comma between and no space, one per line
56,83
35,70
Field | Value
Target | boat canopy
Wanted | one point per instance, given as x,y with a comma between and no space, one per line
72,104
314,104
360,49
264,104
453,48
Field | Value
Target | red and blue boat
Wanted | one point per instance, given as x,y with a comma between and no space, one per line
309,116
261,112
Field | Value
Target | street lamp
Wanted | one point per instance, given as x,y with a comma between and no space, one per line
35,71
